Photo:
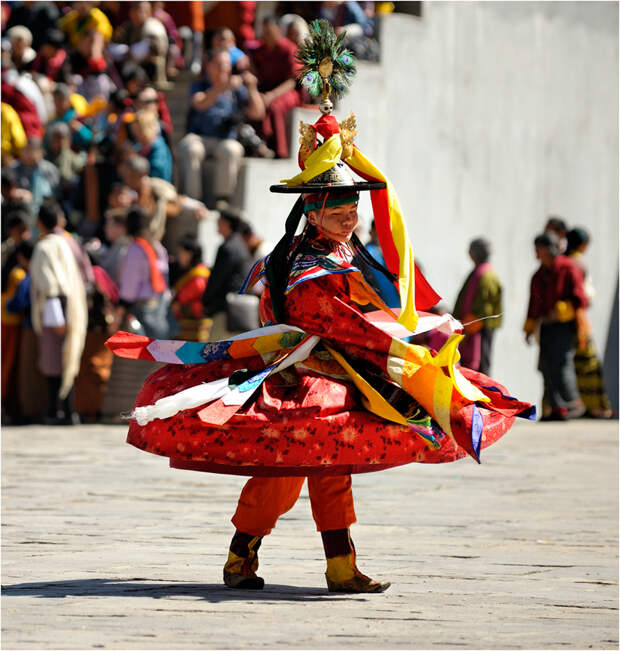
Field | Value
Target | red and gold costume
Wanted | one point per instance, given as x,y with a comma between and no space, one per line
329,386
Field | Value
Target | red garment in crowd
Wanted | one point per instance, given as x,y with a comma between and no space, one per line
274,67
164,112
238,16
189,14
51,67
25,109
562,282
189,290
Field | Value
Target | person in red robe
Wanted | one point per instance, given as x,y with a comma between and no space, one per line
330,385
275,67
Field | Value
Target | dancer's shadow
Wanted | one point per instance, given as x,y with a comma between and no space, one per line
140,587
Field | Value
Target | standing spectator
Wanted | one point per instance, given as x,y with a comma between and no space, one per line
587,365
558,226
189,290
116,234
276,69
13,134
232,265
16,288
557,304
150,143
143,289
59,314
18,232
12,276
35,174
218,102
14,199
479,298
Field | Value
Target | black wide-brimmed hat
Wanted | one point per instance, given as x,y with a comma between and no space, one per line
326,68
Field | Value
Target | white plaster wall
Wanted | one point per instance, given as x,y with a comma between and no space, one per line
487,117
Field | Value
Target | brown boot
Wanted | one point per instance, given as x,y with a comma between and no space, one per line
240,570
342,574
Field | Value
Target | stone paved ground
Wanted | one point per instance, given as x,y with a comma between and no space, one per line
105,547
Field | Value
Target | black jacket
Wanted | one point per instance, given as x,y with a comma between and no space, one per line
232,265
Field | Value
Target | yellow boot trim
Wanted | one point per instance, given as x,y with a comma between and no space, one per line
341,568
235,563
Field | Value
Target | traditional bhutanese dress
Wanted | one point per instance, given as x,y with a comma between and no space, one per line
336,389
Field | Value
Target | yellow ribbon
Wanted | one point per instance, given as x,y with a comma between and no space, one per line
322,159
406,271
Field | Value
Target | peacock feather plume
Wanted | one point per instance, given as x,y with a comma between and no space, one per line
324,59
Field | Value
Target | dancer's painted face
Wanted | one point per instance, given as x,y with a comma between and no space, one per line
337,222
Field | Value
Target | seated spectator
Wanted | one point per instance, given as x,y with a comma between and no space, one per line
115,230
66,104
174,59
147,39
59,314
22,55
149,142
69,163
143,288
91,72
218,102
35,174
358,23
83,19
13,134
224,39
156,197
149,98
51,60
159,199
275,66
188,291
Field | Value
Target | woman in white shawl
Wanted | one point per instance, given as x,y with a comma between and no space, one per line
59,314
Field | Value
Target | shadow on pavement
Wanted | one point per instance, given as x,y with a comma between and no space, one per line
139,587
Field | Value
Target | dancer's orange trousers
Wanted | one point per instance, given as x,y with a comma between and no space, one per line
264,499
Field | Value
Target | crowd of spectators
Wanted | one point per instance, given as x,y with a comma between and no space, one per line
100,212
